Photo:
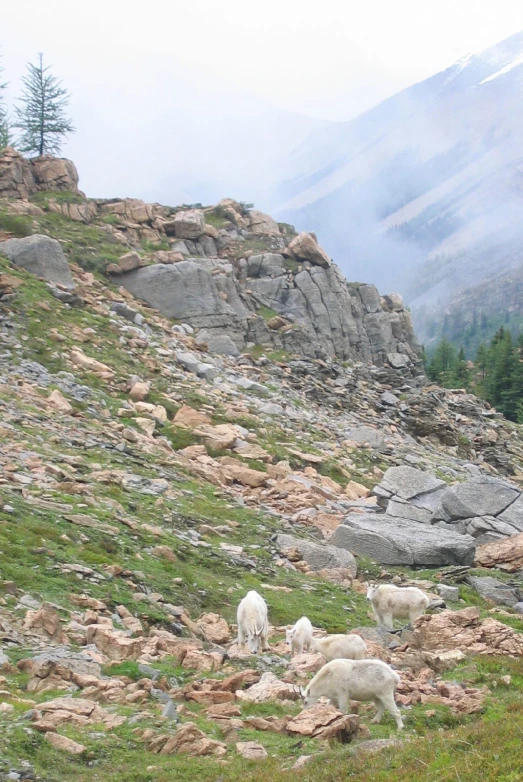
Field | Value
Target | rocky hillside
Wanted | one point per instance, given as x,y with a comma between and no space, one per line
235,274
423,191
153,470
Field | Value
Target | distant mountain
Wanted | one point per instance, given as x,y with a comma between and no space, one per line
423,194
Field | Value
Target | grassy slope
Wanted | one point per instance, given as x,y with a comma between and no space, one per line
36,541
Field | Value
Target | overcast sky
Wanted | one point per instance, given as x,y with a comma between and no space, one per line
327,58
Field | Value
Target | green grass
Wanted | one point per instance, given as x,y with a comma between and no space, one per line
60,196
18,225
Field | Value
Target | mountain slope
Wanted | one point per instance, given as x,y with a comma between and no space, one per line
423,194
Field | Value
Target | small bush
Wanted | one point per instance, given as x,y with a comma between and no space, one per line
18,225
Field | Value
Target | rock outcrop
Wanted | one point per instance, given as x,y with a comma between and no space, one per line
484,507
326,316
21,177
393,541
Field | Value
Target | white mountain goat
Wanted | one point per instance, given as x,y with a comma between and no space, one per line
359,680
348,646
253,626
299,637
390,602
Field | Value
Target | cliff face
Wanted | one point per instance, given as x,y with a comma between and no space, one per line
321,314
230,272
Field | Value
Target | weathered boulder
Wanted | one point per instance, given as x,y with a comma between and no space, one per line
57,669
319,556
189,224
505,554
261,223
484,507
495,591
393,541
479,496
305,247
267,689
39,255
220,344
324,722
188,740
466,631
64,744
408,482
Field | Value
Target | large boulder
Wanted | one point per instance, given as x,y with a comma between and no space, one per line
39,255
319,556
261,223
408,482
184,290
479,496
496,591
305,247
189,224
504,554
392,541
484,507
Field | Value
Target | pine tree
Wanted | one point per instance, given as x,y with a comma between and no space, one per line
4,117
443,362
41,117
461,372
482,360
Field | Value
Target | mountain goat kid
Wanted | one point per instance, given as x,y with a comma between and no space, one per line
299,637
390,602
359,680
333,647
253,626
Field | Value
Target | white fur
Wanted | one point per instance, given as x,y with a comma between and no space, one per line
390,602
299,637
253,626
350,647
359,680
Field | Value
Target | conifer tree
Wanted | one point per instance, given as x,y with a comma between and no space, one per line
4,117
461,374
41,116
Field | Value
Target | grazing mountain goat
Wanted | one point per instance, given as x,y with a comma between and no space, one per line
253,626
359,680
299,637
390,602
350,647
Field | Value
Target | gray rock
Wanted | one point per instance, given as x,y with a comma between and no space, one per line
518,608
124,311
151,486
402,509
496,591
513,515
169,711
389,399
366,434
192,364
392,541
218,343
62,657
448,592
408,482
319,556
271,408
39,255
479,496
4,659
